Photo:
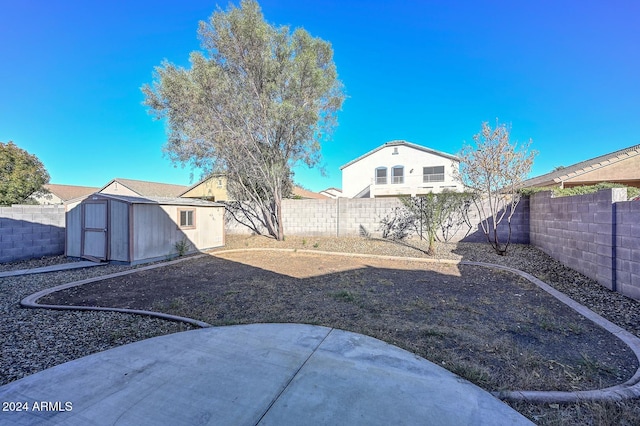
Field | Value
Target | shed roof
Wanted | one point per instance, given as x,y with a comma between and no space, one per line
168,201
150,189
403,143
574,170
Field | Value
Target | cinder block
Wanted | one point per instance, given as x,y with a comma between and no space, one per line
623,278
14,253
604,281
618,194
631,217
631,291
12,238
604,239
603,217
623,253
604,250
630,242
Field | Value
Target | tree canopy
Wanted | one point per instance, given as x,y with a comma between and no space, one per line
21,174
494,170
257,102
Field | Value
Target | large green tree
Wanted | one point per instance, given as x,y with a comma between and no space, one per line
257,102
21,174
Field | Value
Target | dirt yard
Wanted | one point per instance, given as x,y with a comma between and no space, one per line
493,328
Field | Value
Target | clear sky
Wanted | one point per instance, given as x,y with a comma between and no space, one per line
565,73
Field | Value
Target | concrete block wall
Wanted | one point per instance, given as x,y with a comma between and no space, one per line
28,231
355,217
330,217
310,217
519,226
628,248
578,231
362,216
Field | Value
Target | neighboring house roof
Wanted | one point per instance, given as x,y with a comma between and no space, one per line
297,191
172,201
557,176
68,192
332,192
304,193
150,189
332,189
195,185
403,143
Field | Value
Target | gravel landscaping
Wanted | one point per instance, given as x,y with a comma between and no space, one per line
32,340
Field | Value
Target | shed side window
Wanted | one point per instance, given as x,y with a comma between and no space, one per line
187,218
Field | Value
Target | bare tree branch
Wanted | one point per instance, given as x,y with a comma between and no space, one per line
494,170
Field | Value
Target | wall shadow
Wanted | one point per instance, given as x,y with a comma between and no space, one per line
519,226
23,239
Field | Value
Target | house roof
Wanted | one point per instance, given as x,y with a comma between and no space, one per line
403,143
304,193
171,201
68,192
297,191
586,166
150,189
200,182
331,192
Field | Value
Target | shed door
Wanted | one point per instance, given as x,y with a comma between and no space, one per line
94,230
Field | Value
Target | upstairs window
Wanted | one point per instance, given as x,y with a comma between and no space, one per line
186,218
397,174
433,174
381,176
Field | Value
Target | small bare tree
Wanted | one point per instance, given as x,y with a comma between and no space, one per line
446,212
494,170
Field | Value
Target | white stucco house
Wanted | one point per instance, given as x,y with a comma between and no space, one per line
399,168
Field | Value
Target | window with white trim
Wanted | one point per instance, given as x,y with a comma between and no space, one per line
397,174
433,174
186,218
381,176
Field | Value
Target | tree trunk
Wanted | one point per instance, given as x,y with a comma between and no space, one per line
280,229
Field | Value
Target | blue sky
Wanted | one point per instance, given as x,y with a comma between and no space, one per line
564,73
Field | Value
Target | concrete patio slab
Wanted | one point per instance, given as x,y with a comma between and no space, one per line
255,374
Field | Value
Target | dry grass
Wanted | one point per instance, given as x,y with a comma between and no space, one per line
492,328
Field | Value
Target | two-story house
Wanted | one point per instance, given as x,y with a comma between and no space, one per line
399,168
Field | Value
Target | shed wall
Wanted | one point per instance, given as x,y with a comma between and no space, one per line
118,231
156,231
73,230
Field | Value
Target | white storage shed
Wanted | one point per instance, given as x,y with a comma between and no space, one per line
132,230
